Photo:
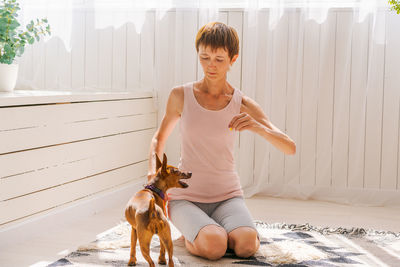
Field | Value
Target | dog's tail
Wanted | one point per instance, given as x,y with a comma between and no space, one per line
152,209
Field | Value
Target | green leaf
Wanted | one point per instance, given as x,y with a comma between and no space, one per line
395,5
29,26
20,51
14,24
7,48
4,21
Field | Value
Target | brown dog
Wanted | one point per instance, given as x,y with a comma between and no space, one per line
147,218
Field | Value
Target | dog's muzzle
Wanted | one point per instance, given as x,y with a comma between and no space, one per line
186,175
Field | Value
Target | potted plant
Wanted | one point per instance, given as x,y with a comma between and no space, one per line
13,41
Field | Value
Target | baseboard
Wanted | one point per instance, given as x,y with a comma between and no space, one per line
70,213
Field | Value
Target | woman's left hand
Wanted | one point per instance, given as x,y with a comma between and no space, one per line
244,121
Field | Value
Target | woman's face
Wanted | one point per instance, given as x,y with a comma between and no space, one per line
215,64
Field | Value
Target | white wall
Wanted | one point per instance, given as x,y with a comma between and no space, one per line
314,81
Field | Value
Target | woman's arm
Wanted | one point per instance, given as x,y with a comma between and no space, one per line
253,118
171,117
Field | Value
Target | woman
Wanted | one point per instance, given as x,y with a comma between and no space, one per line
211,213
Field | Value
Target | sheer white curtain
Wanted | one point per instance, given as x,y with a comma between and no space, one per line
325,72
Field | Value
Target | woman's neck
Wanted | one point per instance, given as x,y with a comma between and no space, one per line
214,88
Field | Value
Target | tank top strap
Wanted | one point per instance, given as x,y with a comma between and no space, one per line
188,101
237,100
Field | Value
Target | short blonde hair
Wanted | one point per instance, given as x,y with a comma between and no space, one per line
216,35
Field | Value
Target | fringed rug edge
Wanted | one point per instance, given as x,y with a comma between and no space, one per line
353,231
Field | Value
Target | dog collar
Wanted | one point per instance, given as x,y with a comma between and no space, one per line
155,190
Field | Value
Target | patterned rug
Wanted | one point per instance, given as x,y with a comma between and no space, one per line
281,245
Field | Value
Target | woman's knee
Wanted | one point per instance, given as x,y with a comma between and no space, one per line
211,242
244,241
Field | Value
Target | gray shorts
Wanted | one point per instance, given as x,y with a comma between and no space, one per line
190,217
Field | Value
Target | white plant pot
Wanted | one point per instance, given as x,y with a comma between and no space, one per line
8,77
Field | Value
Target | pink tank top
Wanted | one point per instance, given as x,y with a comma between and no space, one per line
207,150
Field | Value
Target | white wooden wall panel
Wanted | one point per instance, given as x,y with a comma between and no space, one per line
373,140
54,154
325,101
235,20
25,68
69,152
162,58
132,56
105,55
294,89
278,95
178,40
73,112
64,58
147,43
173,42
91,52
78,50
341,100
246,139
38,64
164,43
262,95
358,85
52,63
189,52
391,108
69,163
45,136
309,102
176,61
119,57
21,207
70,122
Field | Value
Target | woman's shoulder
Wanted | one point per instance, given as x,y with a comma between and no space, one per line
178,92
177,96
248,103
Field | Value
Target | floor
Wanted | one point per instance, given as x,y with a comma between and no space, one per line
62,238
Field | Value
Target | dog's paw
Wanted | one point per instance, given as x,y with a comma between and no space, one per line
132,262
162,261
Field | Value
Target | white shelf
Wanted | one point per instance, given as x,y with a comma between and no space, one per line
36,97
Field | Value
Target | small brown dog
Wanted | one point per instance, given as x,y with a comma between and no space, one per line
147,218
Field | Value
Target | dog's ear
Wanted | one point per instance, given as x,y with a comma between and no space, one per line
164,163
158,162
